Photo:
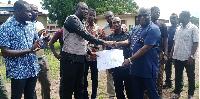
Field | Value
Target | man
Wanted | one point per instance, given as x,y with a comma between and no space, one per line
184,53
168,66
19,42
106,31
143,58
56,36
121,75
44,74
91,60
163,46
75,38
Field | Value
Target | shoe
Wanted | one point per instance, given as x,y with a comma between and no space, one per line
176,96
190,97
167,85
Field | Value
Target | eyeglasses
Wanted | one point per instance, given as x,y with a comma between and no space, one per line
144,15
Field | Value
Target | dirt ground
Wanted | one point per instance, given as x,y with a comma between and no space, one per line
102,94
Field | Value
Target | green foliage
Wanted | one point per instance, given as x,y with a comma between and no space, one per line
195,21
54,63
60,9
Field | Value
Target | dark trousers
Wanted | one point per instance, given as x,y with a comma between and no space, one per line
179,66
94,77
168,72
61,80
140,84
73,80
18,86
122,79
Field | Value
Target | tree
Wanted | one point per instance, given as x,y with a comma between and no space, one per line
60,9
195,21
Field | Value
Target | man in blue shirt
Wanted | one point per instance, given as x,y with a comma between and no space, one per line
19,42
143,59
168,66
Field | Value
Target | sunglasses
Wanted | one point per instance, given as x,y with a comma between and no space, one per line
144,15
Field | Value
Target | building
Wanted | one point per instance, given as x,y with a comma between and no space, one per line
6,10
130,20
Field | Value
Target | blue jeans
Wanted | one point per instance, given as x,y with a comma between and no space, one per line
94,78
18,86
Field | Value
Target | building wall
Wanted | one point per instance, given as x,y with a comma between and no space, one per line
43,19
128,21
3,18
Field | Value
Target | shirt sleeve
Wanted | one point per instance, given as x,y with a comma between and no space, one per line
56,36
4,37
74,25
195,34
153,35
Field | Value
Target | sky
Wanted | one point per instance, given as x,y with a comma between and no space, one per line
166,6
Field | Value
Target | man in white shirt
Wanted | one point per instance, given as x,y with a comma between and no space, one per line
184,53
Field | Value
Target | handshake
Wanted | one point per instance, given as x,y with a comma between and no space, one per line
111,44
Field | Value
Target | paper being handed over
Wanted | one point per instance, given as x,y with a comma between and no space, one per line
109,59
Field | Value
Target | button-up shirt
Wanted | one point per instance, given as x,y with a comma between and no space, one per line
17,37
184,39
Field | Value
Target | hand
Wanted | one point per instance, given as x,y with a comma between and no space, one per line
170,57
110,43
46,38
125,63
37,45
58,56
190,61
165,58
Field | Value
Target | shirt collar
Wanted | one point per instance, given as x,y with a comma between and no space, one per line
187,26
15,22
87,24
118,33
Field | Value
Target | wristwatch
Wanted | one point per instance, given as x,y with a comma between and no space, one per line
192,56
130,62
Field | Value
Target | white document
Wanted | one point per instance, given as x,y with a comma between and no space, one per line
109,59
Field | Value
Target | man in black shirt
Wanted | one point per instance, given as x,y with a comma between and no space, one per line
121,74
75,38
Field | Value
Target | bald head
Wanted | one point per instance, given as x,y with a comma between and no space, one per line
109,16
81,10
144,16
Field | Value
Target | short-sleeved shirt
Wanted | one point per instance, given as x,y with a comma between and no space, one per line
17,37
147,65
184,39
163,30
58,35
171,32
